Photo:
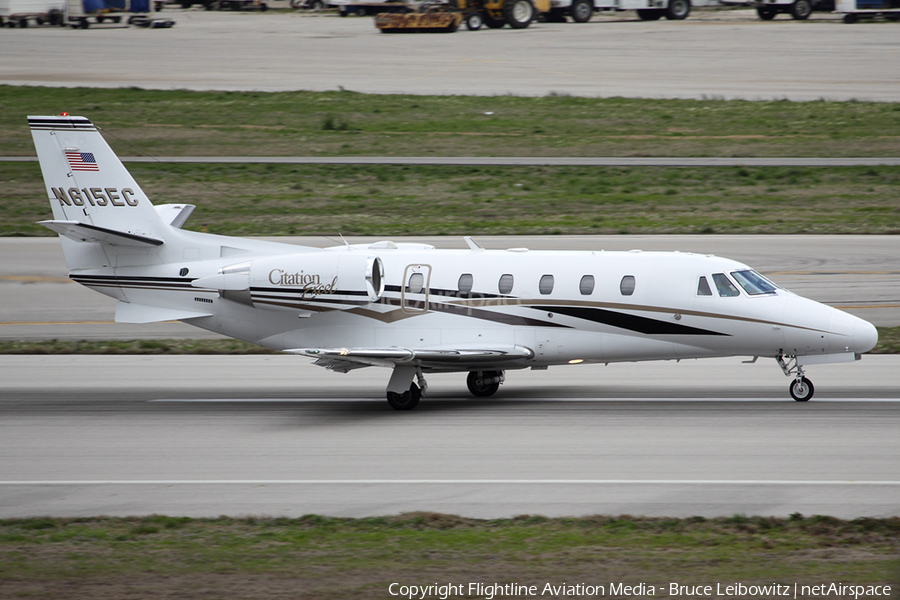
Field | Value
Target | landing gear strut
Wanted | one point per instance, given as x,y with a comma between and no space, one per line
398,396
801,388
407,400
485,383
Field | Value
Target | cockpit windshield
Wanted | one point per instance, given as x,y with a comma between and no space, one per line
754,283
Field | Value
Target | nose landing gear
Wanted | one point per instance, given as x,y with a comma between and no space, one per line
801,388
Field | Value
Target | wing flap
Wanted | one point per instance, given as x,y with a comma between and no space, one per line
339,359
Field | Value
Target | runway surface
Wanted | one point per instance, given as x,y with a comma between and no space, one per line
274,435
712,54
856,273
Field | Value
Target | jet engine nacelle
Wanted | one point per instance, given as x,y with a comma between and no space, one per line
285,281
293,281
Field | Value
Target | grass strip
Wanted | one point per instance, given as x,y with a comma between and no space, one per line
455,200
888,343
185,123
321,557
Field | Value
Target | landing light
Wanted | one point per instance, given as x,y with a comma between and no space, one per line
576,361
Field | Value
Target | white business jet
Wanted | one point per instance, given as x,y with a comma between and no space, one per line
413,308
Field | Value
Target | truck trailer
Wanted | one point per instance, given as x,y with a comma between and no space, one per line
647,10
19,13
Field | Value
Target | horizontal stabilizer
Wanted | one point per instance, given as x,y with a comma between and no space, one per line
84,232
174,214
126,312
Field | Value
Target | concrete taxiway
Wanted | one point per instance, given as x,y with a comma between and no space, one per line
274,435
727,54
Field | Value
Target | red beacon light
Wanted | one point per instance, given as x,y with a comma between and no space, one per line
64,114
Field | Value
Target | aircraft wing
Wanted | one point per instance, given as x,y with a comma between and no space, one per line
453,359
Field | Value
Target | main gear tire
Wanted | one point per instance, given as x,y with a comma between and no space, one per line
407,400
482,383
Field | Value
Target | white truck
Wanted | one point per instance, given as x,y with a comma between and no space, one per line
853,10
647,10
798,9
19,12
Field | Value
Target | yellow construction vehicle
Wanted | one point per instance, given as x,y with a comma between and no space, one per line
446,17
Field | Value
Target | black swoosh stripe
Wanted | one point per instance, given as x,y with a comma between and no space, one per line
626,321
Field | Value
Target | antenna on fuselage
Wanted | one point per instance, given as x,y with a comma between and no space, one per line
473,245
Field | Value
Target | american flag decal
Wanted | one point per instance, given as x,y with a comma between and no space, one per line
82,161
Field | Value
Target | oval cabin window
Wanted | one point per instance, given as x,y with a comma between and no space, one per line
587,285
546,285
506,283
627,285
416,283
465,283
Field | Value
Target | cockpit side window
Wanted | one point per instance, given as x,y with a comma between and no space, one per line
724,286
703,287
754,283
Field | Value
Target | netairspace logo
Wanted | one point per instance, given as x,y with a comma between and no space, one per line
490,591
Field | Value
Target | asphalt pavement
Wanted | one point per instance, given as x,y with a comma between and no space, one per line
712,54
275,435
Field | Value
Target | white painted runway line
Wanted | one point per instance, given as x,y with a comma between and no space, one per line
503,399
695,482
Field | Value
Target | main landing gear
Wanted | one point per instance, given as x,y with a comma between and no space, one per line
485,383
801,388
407,400
404,394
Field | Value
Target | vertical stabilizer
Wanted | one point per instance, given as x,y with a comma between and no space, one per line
94,198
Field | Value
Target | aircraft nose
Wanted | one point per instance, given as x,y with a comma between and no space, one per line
865,336
858,335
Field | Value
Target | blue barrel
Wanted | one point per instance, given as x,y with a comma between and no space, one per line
93,5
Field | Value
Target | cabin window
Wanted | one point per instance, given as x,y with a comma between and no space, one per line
416,283
754,283
626,286
546,284
506,283
703,287
465,283
724,286
587,285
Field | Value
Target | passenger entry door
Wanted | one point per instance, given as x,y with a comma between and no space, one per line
414,295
